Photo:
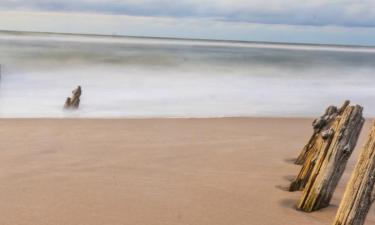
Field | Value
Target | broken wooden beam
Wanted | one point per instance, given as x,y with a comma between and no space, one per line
331,159
319,141
73,101
359,192
320,125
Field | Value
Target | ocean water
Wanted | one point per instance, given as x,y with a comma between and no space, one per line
149,77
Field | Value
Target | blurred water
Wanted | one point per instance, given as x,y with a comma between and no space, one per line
140,77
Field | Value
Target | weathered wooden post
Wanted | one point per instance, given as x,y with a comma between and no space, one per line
320,141
358,195
73,102
320,125
331,159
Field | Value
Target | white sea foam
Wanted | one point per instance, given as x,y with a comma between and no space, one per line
143,78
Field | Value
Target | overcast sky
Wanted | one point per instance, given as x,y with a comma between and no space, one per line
309,21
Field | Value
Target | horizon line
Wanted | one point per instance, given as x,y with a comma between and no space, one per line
185,38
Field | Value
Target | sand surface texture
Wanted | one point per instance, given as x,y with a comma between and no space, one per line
155,172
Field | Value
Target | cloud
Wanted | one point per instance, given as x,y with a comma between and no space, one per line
346,13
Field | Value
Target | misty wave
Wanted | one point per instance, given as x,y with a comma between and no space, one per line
130,77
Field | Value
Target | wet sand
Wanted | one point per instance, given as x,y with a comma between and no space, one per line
229,171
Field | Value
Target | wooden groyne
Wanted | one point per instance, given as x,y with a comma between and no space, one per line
319,141
325,155
320,125
359,193
330,163
73,101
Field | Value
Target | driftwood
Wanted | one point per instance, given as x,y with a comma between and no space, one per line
320,125
359,193
73,102
329,165
319,141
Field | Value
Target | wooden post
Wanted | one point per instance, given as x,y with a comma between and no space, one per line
331,161
359,193
320,141
73,102
320,125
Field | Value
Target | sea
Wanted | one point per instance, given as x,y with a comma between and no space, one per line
138,77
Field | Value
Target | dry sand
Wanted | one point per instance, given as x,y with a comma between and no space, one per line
155,172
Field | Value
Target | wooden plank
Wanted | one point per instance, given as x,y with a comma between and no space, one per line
73,102
330,163
359,193
320,141
319,125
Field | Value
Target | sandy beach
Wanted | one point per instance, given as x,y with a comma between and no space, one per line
229,171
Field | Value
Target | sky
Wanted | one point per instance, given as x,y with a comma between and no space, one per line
349,22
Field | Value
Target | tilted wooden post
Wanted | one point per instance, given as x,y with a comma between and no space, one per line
320,141
73,102
358,195
331,161
320,125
